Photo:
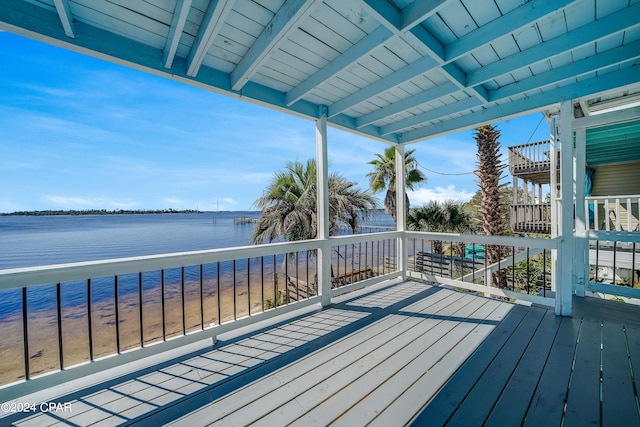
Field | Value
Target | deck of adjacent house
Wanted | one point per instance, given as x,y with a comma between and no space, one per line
389,355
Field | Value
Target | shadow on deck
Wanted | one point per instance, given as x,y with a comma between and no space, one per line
397,354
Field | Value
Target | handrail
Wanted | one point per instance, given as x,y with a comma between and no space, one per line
613,213
529,157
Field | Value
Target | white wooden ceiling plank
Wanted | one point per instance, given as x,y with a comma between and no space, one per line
318,53
408,103
353,55
274,69
288,59
458,19
147,9
525,38
327,36
66,17
617,22
436,26
290,15
607,7
609,43
103,19
517,75
347,84
253,12
490,32
271,5
410,71
507,6
352,11
560,60
482,12
583,52
417,11
223,53
375,66
583,69
552,26
175,32
365,73
287,65
402,49
211,24
389,61
238,40
219,60
330,18
384,12
579,13
485,55
263,78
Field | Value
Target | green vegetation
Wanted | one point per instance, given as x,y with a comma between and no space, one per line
448,217
288,206
99,212
384,176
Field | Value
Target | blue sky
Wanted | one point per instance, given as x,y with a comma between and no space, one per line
82,133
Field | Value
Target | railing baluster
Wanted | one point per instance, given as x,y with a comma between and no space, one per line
275,283
218,293
528,276
249,286
184,314
164,323
201,297
89,326
59,310
262,281
235,293
286,278
117,313
140,309
597,261
25,334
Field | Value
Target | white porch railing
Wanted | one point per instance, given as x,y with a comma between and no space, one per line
523,269
531,218
530,158
77,319
613,213
613,233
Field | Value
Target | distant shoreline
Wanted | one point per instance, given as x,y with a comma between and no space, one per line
101,212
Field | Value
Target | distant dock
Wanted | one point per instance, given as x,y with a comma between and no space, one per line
244,220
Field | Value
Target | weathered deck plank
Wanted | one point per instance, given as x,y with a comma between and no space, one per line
583,399
619,406
512,405
477,405
438,411
407,353
547,404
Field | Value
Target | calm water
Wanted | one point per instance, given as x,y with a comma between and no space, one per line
27,241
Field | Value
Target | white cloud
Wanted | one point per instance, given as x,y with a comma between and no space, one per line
440,194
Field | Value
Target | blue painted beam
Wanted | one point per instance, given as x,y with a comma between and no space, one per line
593,63
211,25
404,74
384,12
66,17
436,113
583,88
418,11
284,21
175,32
428,95
622,20
517,18
365,46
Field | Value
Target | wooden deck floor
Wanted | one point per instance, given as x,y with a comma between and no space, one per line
400,354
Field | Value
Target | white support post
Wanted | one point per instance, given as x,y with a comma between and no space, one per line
553,194
322,170
581,246
401,212
515,190
564,288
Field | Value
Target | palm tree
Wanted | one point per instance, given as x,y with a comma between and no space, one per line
288,205
384,176
448,217
489,173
